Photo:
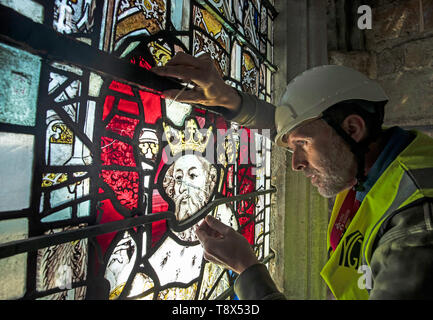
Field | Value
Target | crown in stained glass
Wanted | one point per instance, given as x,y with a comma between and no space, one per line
189,139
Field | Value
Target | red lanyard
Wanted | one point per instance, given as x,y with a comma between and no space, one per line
347,211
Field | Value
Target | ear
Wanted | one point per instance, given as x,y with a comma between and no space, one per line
354,125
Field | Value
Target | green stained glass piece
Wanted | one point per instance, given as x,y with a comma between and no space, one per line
83,209
16,157
13,287
29,8
19,81
180,14
59,215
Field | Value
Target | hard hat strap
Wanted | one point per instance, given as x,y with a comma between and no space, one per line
359,149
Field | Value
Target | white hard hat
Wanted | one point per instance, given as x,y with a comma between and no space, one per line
317,89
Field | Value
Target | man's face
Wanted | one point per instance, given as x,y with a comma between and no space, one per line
323,156
190,190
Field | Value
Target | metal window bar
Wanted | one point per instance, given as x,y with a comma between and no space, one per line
20,246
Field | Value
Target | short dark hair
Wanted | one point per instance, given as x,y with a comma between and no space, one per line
371,112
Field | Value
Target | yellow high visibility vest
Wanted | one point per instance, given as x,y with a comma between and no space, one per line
407,179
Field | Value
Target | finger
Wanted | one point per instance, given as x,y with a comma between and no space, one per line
202,235
179,72
204,56
217,225
187,96
185,59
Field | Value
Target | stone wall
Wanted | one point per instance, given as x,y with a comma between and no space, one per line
397,52
299,214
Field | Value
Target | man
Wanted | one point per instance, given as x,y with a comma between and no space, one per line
330,118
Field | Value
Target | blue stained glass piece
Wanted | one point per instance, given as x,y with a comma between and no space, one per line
176,13
63,214
83,209
19,82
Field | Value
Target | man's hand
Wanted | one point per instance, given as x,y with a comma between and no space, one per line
224,246
210,88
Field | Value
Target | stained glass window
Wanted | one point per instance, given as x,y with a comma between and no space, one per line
103,180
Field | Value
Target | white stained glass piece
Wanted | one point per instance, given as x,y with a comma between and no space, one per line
67,68
145,166
177,111
16,157
81,155
225,214
236,61
148,143
95,85
141,284
73,16
120,264
62,265
13,269
211,274
72,91
69,193
56,80
178,293
90,119
258,234
173,262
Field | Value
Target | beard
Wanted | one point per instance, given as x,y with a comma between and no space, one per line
187,204
336,170
194,202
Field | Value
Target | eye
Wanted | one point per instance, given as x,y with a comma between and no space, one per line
178,178
193,176
301,143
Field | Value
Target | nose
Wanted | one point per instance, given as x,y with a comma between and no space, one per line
182,186
299,162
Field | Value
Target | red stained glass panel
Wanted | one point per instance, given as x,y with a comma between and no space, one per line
108,106
248,229
107,214
128,106
121,87
115,152
243,147
152,107
158,203
123,125
125,186
158,227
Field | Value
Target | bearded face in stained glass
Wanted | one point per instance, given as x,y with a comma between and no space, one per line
189,182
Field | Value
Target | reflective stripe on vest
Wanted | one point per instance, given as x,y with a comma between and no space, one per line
408,178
